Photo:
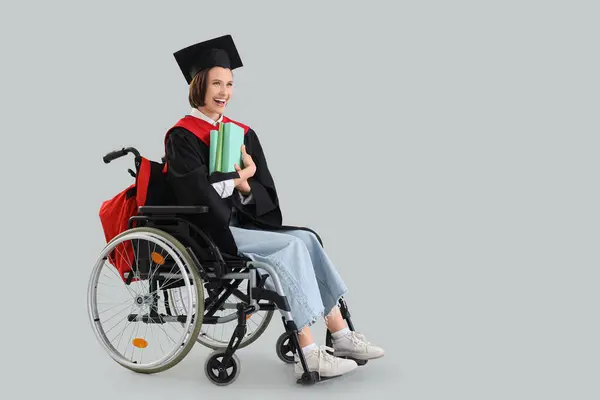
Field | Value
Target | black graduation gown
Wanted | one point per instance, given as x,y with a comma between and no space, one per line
187,147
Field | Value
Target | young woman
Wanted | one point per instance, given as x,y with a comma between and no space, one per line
245,216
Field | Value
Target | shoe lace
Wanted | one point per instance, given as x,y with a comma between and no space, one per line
325,356
359,339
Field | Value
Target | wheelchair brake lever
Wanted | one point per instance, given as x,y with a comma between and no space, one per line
131,172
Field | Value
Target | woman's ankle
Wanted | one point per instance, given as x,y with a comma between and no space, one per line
305,337
340,333
334,321
308,348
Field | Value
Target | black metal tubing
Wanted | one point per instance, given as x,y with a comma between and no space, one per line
113,155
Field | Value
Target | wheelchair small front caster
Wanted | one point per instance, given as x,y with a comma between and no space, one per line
218,373
285,348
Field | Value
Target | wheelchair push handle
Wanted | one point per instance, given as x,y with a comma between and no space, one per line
113,155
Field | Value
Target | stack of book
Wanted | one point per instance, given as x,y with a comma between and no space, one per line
226,148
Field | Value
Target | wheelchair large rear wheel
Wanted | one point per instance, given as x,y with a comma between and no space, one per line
134,329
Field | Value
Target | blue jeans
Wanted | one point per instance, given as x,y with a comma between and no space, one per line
309,279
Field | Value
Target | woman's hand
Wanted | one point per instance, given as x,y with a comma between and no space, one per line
241,184
249,165
249,170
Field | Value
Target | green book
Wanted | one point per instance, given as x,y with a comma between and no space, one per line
233,139
214,138
225,148
219,158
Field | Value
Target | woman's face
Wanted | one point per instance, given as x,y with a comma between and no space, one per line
218,90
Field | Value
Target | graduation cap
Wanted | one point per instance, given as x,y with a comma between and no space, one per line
217,52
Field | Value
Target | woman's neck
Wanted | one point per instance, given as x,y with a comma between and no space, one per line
212,115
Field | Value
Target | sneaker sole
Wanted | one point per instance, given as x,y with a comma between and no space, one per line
325,377
353,356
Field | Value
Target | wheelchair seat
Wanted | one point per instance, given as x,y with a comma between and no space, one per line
172,210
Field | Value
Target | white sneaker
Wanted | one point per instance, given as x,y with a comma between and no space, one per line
324,363
354,345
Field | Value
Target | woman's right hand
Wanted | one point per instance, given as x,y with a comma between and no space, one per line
248,171
241,183
249,166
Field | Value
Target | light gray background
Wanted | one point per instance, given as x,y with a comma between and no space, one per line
446,152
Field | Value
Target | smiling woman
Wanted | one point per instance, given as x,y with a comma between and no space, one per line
244,214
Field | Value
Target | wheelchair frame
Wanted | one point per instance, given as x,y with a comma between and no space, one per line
225,275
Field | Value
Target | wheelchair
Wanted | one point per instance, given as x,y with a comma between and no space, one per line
177,289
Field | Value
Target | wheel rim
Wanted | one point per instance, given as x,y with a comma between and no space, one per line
220,374
143,339
285,346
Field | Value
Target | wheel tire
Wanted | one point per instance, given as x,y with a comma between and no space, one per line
222,378
283,346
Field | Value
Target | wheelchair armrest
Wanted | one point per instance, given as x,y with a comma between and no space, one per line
172,210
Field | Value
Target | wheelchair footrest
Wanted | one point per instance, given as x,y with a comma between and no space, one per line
310,378
357,360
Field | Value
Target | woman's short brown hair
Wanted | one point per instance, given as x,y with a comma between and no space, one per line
198,86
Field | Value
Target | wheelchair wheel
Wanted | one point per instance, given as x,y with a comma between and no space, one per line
133,328
285,348
217,336
218,373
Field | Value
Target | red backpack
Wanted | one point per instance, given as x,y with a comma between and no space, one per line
150,188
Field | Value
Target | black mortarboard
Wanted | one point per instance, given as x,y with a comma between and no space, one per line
217,52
